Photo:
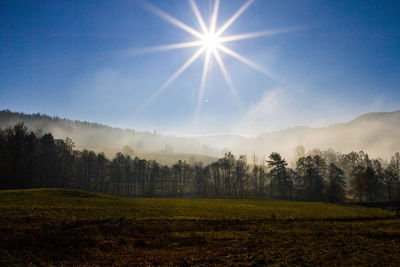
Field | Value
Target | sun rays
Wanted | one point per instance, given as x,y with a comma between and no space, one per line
211,42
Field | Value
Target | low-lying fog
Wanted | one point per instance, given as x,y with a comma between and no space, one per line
374,133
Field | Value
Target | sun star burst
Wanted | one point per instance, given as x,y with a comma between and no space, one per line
210,42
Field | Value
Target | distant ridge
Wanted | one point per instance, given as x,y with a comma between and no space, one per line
375,133
88,134
389,116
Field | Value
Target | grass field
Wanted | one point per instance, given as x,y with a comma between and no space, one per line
58,227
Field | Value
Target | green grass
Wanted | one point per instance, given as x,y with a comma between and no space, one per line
42,227
64,204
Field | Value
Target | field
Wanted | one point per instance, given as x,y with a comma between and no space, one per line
58,227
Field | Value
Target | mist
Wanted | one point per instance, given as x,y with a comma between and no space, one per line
374,133
102,138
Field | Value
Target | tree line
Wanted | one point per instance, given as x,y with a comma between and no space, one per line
34,160
95,134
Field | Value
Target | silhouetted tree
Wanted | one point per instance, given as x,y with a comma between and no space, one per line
278,174
30,160
310,178
336,184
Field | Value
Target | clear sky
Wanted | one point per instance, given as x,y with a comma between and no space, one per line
83,60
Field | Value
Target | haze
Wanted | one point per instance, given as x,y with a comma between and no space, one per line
329,63
200,133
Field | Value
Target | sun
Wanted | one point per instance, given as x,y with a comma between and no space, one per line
210,41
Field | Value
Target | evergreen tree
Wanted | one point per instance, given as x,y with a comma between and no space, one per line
278,174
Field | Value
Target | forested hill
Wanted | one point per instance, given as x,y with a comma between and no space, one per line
89,135
377,133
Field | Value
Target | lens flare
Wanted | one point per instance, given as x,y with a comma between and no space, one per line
210,40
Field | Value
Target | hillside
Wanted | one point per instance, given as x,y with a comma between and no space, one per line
223,140
375,133
94,135
163,157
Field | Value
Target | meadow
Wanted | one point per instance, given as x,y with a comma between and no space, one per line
58,227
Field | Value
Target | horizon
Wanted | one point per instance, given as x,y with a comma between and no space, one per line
153,131
309,63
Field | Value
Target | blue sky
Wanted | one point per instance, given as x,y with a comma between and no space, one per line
69,59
